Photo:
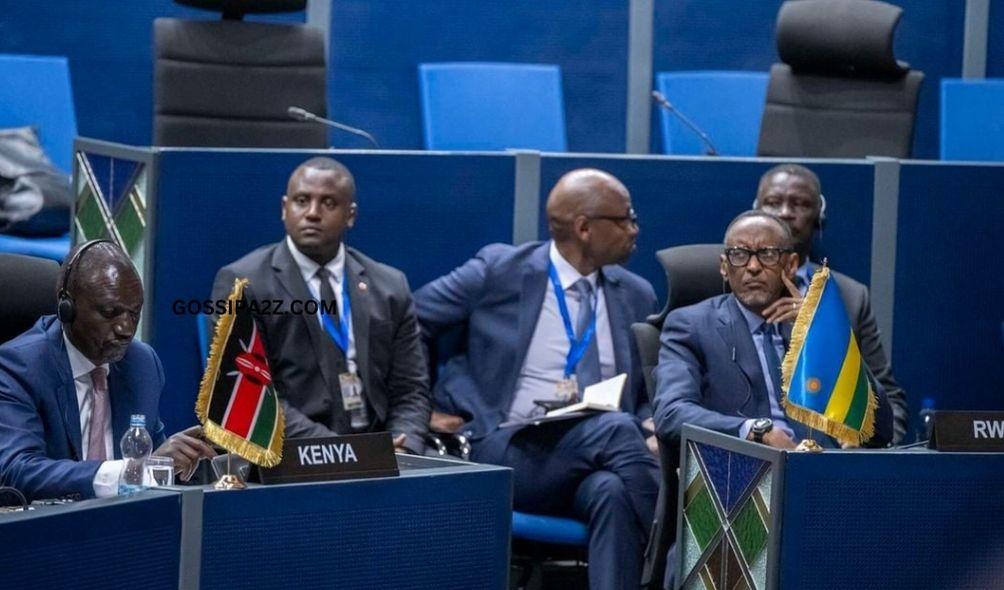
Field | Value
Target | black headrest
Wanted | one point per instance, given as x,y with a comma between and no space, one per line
238,8
839,37
29,292
691,273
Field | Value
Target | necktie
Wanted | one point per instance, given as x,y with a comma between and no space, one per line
587,371
99,416
770,355
328,294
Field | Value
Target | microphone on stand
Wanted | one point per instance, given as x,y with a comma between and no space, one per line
662,101
305,115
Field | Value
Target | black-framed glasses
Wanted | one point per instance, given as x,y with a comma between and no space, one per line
767,256
631,217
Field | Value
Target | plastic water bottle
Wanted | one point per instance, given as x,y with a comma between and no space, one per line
136,446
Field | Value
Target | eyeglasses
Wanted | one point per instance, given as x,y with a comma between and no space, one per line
631,217
767,256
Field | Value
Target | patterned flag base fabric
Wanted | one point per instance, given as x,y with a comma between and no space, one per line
823,375
237,404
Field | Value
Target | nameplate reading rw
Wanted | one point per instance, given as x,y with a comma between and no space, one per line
968,431
353,456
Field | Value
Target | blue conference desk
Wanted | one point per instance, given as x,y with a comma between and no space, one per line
441,524
754,517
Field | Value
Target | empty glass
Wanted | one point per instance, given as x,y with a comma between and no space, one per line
161,470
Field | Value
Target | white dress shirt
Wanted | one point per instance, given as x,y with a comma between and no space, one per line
545,360
336,272
106,480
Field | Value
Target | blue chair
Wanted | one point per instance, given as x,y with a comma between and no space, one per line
726,105
36,92
972,119
492,106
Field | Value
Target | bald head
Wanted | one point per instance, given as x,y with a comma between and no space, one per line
581,192
98,259
590,218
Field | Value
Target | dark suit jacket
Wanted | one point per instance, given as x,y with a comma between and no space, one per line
498,294
389,356
40,439
700,381
859,312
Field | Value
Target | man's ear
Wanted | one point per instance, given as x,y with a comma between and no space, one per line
580,225
353,213
723,267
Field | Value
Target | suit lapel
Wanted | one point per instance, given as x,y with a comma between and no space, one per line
66,394
620,326
533,288
735,331
288,275
361,304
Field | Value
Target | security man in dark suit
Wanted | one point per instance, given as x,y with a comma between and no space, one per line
792,192
357,365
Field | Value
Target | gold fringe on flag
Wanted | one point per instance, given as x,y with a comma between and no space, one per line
841,432
235,444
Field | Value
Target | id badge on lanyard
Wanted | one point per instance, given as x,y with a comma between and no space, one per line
568,387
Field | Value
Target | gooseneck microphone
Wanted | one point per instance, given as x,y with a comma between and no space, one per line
305,115
662,101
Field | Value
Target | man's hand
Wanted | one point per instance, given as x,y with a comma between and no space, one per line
784,309
779,439
653,444
399,444
443,422
186,448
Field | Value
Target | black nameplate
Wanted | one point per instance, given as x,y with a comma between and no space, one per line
968,431
353,456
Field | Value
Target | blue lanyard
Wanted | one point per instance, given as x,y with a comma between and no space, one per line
340,333
577,348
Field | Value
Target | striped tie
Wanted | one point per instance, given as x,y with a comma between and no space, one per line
99,416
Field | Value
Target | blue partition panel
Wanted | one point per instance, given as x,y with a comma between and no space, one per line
376,48
442,531
94,545
947,324
730,35
899,520
691,200
423,213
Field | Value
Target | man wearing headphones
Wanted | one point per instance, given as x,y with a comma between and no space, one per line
70,383
792,192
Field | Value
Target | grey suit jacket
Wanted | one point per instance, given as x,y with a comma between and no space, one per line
389,354
859,311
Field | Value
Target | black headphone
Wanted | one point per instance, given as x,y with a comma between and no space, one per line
65,309
820,220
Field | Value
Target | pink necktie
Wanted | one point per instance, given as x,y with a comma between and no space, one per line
99,416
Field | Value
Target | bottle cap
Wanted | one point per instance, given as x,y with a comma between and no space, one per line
137,420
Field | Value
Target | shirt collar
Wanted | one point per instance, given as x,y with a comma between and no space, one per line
805,273
308,268
80,365
753,320
567,274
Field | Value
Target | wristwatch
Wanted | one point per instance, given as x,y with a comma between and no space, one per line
761,426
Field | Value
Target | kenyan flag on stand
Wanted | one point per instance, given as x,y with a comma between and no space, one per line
237,403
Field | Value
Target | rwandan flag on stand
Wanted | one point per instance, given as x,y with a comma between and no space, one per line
823,375
237,403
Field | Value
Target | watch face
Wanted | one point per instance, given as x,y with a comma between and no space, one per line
762,424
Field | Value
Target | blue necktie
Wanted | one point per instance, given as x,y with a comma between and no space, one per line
587,371
770,355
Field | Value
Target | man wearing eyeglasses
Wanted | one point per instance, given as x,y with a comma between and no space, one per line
543,321
720,361
793,193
